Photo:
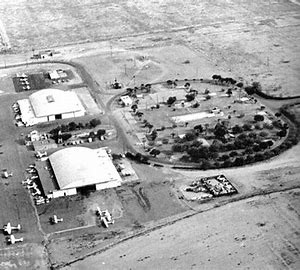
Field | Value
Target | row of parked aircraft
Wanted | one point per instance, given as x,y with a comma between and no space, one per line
8,229
105,217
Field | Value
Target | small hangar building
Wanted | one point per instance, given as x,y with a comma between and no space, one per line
77,168
49,105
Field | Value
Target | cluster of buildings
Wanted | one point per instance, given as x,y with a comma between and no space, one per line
69,170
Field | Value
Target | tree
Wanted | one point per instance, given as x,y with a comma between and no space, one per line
95,122
169,82
198,128
189,136
187,85
247,127
240,84
220,131
153,135
171,100
263,134
282,133
72,126
100,133
249,90
65,136
134,107
229,92
263,145
196,105
237,129
154,152
233,154
190,97
239,161
258,118
216,77
256,86
92,134
270,143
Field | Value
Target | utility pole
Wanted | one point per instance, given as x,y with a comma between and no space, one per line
110,45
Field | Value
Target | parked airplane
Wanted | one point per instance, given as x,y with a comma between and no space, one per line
6,174
39,154
12,240
27,181
105,217
55,219
8,228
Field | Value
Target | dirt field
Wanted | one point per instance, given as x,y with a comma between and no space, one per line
257,233
254,40
133,206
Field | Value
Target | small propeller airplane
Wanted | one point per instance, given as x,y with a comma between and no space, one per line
55,219
105,217
12,240
8,228
6,174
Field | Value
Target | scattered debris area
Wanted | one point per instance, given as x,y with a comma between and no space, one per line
208,187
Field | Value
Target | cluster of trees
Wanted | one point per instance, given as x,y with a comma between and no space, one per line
222,80
137,157
190,96
171,100
143,88
254,88
76,126
62,132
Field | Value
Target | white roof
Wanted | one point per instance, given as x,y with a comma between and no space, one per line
54,75
127,100
80,166
54,101
26,112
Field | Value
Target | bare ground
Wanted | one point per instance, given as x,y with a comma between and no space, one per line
257,233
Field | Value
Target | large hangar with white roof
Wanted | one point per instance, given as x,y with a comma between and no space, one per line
77,168
49,105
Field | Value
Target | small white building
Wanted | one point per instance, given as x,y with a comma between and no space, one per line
126,100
